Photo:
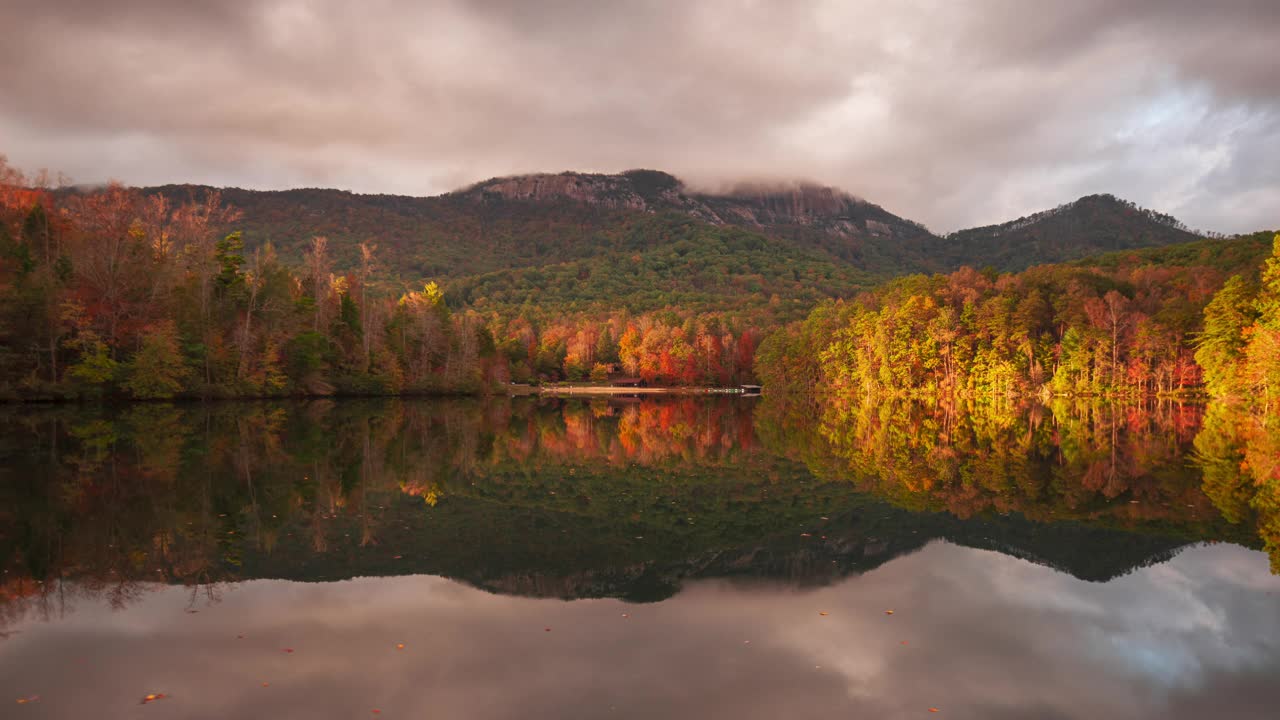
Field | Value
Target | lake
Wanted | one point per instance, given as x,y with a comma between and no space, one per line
701,557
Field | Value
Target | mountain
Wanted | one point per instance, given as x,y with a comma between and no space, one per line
542,219
532,220
1091,225
811,216
643,241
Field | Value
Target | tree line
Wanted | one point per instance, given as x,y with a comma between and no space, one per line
116,293
1116,329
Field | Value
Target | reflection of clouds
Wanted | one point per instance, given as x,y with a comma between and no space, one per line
987,636
996,633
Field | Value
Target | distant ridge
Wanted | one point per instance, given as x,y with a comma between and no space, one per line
1088,226
525,221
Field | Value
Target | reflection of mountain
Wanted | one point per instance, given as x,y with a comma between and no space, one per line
573,498
545,553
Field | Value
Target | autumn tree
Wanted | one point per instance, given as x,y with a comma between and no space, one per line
1220,346
158,370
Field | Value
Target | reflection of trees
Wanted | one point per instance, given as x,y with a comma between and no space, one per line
1115,465
119,499
1239,454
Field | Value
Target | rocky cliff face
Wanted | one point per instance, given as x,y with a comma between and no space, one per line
808,208
613,191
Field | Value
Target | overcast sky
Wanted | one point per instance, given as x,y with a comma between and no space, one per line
949,113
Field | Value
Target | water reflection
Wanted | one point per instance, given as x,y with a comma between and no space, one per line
1204,471
625,498
974,634
130,536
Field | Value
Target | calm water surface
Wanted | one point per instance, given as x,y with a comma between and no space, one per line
665,558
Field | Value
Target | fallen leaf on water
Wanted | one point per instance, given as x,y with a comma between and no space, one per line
397,557
25,700
152,697
286,650
888,612
805,535
548,629
239,637
902,642
266,684
746,642
625,615
823,613
933,710
376,711
399,646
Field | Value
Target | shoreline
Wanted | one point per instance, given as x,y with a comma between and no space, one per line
503,391
615,390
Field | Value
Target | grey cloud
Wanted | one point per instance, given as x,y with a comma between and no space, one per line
946,113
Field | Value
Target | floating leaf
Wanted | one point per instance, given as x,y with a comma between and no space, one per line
286,650
823,613
933,710
888,612
25,700
152,697
399,646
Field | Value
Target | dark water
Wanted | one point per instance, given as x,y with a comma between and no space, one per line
666,558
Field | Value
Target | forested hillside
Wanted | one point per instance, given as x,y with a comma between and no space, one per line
1155,321
121,293
690,265
186,291
535,220
1088,226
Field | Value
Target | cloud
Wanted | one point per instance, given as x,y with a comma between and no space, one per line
952,114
